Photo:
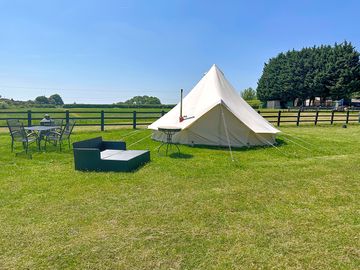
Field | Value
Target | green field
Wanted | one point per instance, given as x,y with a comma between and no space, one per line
272,208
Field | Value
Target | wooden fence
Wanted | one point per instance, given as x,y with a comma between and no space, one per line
286,117
86,118
140,118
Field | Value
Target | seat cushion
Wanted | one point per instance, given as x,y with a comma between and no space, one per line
106,154
123,155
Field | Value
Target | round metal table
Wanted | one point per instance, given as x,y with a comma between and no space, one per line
169,131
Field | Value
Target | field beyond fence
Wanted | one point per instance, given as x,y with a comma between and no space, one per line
143,117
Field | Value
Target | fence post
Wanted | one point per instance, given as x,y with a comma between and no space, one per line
134,119
102,120
298,117
316,116
332,117
347,116
67,116
29,118
162,113
279,118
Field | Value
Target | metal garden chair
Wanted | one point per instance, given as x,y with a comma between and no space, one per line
57,138
58,123
19,134
54,122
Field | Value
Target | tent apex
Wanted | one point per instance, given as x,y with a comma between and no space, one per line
216,69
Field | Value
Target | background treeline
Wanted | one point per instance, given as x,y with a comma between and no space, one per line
250,95
41,101
135,102
142,100
325,71
55,101
119,105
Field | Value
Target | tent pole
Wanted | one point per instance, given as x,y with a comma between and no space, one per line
226,132
181,101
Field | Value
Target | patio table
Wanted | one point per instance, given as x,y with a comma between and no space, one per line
41,129
169,131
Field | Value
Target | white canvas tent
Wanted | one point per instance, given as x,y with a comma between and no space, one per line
215,114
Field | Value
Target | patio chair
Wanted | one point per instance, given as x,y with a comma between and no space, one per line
57,138
19,134
59,123
54,122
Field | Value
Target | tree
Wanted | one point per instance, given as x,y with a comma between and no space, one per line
42,100
355,95
345,74
143,100
248,94
4,105
56,99
325,71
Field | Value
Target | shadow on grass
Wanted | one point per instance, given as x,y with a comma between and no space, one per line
51,148
23,154
279,142
180,156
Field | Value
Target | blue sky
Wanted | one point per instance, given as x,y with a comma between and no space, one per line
108,51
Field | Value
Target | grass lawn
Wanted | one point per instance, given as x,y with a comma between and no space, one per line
284,207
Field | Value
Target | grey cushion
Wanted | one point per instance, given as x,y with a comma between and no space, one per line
106,154
120,154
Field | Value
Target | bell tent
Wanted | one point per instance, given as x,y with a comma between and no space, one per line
215,114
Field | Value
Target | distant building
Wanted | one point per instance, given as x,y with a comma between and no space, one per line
317,102
355,102
273,104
